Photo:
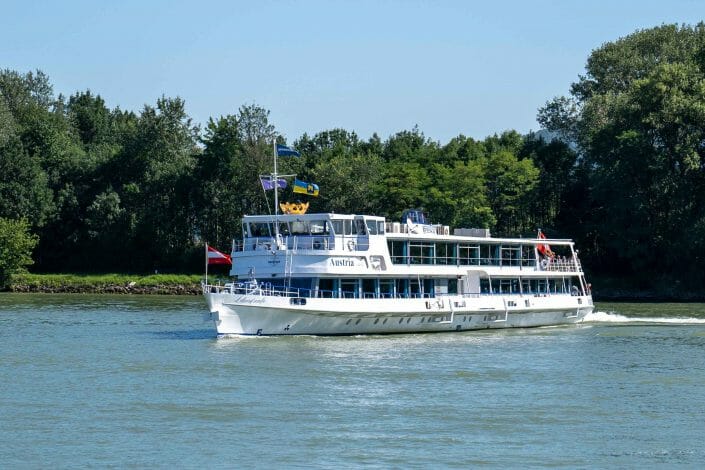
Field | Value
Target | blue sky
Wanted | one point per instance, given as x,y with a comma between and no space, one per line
451,67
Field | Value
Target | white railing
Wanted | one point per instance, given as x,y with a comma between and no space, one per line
304,242
561,265
264,289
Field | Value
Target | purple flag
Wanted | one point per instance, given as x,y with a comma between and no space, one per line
268,184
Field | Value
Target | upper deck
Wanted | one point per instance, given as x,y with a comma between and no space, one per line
370,242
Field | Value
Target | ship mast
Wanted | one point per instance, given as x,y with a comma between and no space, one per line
275,179
275,182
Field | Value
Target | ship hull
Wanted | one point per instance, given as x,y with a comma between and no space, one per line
241,314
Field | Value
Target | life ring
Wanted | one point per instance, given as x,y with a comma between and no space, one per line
544,263
351,245
317,245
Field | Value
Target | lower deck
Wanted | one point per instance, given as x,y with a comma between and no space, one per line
415,287
255,312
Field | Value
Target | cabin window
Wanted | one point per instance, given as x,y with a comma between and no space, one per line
415,288
386,288
348,227
526,286
452,286
510,255
527,255
485,287
402,287
445,253
327,287
371,227
360,228
380,227
469,254
397,250
541,286
260,229
319,227
502,286
489,255
369,289
301,283
421,253
338,227
300,227
429,287
350,288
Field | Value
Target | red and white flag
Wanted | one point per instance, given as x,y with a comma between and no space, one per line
544,249
216,257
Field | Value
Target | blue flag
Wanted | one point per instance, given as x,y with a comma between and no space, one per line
268,184
284,151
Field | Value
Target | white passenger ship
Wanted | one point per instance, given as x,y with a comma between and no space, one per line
338,274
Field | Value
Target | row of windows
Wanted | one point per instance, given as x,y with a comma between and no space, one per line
443,253
316,227
563,285
420,288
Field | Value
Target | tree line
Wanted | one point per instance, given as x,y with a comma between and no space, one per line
105,190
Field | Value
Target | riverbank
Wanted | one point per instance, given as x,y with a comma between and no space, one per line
190,284
155,284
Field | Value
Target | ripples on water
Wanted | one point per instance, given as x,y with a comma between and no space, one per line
141,382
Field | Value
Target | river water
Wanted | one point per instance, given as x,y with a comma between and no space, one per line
103,381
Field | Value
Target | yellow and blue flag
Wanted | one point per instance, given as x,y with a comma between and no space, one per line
302,187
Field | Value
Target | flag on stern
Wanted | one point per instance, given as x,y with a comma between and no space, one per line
305,188
284,151
268,183
544,249
216,257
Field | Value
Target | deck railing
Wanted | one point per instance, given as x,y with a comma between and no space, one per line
304,242
268,290
352,243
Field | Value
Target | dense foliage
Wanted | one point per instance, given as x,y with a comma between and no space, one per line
108,190
16,245
638,120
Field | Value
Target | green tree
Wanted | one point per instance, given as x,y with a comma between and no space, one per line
16,245
509,185
347,182
402,186
7,122
217,198
637,118
90,119
458,196
159,164
237,150
23,187
557,184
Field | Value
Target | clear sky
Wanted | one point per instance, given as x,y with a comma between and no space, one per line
451,67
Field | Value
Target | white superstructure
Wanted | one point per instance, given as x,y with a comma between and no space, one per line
338,274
